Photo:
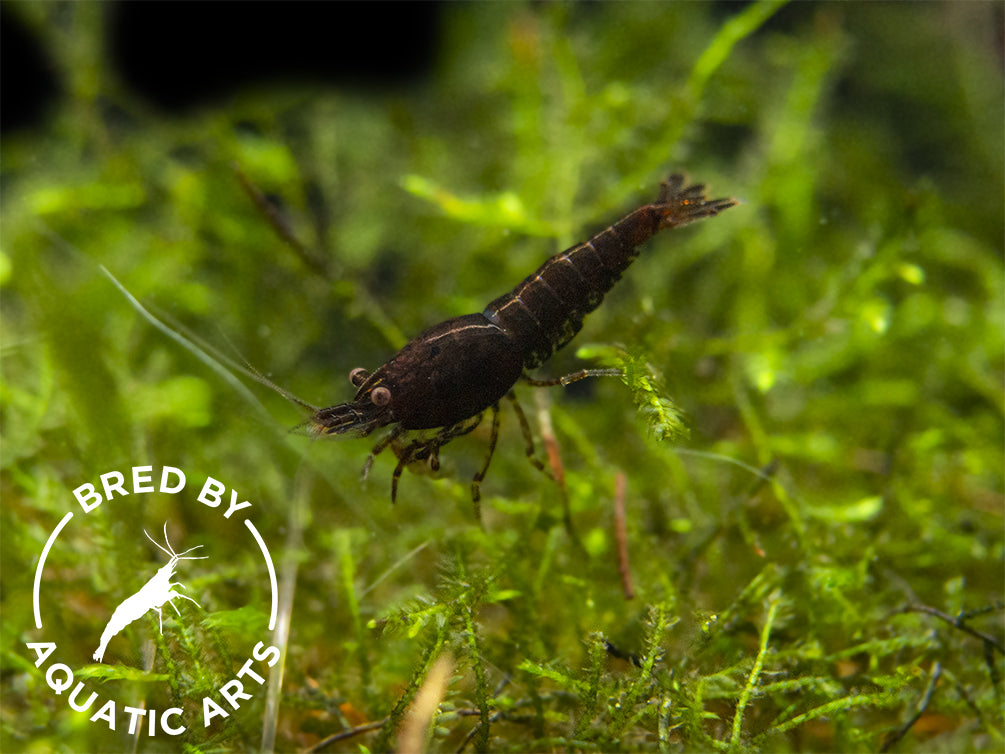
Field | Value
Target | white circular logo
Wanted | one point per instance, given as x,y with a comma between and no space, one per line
175,594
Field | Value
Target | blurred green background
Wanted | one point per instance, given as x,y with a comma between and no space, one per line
834,345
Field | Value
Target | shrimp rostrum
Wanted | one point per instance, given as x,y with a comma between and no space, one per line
449,375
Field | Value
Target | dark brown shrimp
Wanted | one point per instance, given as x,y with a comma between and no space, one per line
445,378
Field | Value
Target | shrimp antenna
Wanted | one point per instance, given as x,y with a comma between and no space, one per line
157,544
170,550
261,378
245,367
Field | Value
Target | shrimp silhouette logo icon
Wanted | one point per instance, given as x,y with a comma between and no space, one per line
157,591
98,582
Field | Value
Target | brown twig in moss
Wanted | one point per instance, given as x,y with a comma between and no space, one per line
621,533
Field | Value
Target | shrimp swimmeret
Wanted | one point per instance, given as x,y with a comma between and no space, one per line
158,590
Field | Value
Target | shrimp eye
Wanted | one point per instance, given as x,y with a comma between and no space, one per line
358,376
380,396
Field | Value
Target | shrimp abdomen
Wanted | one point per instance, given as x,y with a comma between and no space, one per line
131,609
546,310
